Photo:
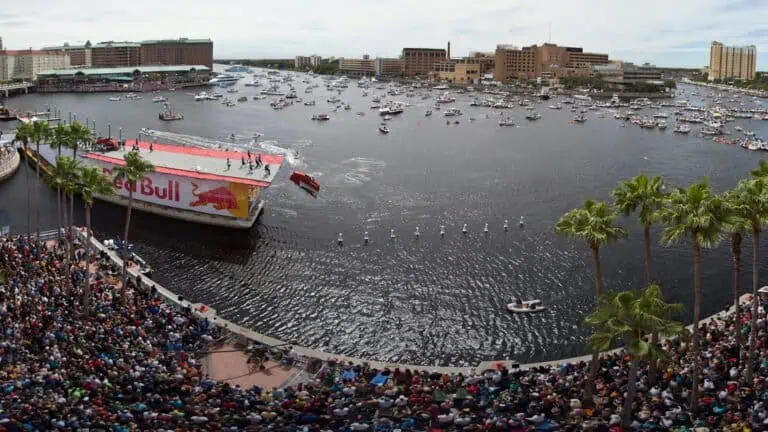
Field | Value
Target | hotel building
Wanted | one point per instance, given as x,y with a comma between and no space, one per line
388,67
26,64
174,52
548,60
729,62
302,62
116,54
421,61
79,55
357,67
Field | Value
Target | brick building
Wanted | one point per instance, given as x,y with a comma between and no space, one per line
115,54
172,52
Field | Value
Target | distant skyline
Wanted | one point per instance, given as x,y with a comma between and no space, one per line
665,33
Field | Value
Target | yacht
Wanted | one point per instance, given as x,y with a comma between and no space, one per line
223,80
452,112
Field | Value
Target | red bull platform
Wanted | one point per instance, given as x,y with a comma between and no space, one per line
206,186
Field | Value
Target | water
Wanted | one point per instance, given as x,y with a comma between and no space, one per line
418,301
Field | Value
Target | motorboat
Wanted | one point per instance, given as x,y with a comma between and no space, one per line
662,124
452,112
291,95
529,306
533,116
580,119
321,117
306,182
242,99
114,99
556,107
384,129
253,83
682,129
233,90
159,99
309,103
428,113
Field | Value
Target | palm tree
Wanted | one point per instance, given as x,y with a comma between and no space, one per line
60,138
737,225
24,135
594,222
697,213
92,182
131,173
647,195
67,176
751,205
41,132
79,134
631,316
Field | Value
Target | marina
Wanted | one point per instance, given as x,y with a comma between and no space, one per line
385,290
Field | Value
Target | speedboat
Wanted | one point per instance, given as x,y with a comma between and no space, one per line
529,306
506,122
682,129
383,129
309,103
114,99
306,182
533,116
580,119
321,117
159,99
428,113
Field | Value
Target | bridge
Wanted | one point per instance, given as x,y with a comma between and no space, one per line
7,89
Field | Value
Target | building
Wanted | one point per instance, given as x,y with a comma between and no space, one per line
357,67
116,54
315,60
26,64
142,78
303,62
548,60
728,62
421,61
457,72
634,74
174,52
388,67
79,55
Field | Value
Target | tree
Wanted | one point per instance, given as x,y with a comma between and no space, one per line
594,222
751,204
92,182
60,138
24,135
79,134
631,316
41,132
131,173
66,175
697,213
737,225
647,195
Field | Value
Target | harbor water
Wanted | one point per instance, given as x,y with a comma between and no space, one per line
430,299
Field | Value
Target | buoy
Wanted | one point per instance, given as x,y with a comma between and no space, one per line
464,229
522,220
392,234
341,239
365,237
485,229
417,233
442,230
506,225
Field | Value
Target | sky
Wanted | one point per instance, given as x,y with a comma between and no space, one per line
662,32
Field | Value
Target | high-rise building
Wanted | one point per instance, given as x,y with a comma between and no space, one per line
315,60
388,67
116,54
546,60
302,62
357,67
730,62
421,61
79,55
174,52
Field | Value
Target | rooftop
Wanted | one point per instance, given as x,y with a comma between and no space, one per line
180,40
111,44
125,70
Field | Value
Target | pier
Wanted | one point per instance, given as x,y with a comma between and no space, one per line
8,90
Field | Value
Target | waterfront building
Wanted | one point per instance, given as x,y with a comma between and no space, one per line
79,55
357,67
315,60
116,54
463,71
548,60
176,52
26,64
642,74
303,62
731,62
421,61
134,78
388,67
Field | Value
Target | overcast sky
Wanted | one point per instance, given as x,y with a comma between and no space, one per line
664,32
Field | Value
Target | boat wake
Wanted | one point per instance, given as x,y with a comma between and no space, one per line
359,170
291,155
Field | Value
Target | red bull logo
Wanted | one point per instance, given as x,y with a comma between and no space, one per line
229,198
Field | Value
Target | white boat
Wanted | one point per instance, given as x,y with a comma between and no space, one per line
223,80
533,116
253,83
529,306
159,99
115,99
506,122
682,129
662,124
383,129
556,107
580,119
452,112
309,103
387,117
321,117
